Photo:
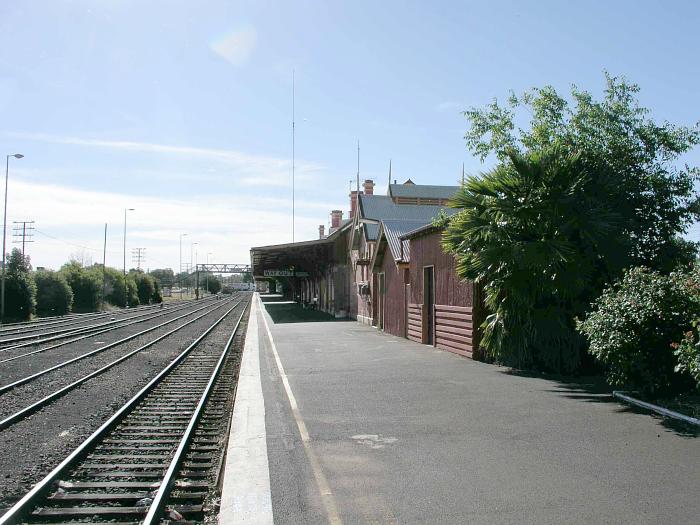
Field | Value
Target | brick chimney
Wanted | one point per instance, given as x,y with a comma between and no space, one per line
336,219
368,185
321,231
353,203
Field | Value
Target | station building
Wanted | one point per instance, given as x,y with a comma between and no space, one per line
383,266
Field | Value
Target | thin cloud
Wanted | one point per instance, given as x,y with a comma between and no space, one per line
236,47
227,226
258,169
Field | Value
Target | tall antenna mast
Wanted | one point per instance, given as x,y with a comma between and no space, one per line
293,154
387,188
358,167
462,173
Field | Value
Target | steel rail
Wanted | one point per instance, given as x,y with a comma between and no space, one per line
26,411
35,338
31,326
19,510
6,327
89,334
156,508
31,377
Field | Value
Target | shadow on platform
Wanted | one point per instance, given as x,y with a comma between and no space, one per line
282,310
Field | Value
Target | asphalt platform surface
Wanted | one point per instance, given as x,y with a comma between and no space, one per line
405,433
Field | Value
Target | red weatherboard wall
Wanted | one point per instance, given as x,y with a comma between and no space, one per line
454,299
449,290
394,309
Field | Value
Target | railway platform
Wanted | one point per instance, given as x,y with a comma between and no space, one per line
336,423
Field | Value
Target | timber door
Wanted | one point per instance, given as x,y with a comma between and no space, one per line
428,305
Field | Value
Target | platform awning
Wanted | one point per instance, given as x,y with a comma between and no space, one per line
298,259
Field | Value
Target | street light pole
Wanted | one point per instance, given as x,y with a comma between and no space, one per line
126,289
4,236
180,270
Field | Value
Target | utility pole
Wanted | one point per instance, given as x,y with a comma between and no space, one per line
22,232
4,235
126,288
137,255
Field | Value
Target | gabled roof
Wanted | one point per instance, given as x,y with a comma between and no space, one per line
389,242
382,208
423,191
393,230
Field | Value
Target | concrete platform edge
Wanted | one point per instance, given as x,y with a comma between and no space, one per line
245,495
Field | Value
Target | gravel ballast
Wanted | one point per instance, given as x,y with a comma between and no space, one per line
31,447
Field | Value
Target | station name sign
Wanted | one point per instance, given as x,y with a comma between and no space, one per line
284,273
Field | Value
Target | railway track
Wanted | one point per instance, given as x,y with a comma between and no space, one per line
159,455
88,332
41,336
65,320
30,409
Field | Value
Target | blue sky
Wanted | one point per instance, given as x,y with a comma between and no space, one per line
182,109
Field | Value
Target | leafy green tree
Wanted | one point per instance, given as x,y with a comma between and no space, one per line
248,278
86,284
165,277
533,233
653,195
213,283
184,279
579,194
54,295
20,289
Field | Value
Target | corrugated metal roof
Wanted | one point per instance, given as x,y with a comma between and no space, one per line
393,230
382,208
424,191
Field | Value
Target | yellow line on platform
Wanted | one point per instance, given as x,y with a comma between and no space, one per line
322,483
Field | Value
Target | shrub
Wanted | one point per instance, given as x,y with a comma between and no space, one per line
633,324
115,289
688,354
20,289
211,283
53,293
20,296
86,284
157,296
145,286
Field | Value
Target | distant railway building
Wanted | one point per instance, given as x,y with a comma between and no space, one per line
383,266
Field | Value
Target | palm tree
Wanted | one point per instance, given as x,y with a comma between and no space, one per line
538,235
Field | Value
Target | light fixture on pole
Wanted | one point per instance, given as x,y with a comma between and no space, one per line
4,236
126,288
